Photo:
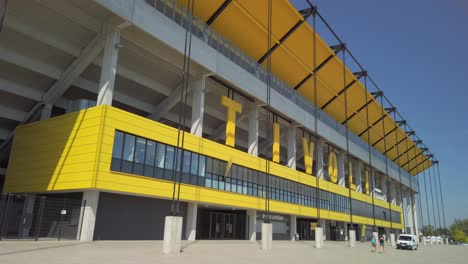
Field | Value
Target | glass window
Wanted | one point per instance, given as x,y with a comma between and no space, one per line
139,156
186,167
201,170
118,145
228,184
221,183
194,169
169,162
150,158
117,151
128,153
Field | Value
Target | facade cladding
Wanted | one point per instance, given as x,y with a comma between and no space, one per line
117,149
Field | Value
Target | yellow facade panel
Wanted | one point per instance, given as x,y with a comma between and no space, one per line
64,172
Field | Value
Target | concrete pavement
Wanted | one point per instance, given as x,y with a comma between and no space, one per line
219,252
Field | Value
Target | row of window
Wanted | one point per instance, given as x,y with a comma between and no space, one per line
137,155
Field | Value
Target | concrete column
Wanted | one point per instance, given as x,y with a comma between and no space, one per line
292,146
320,167
293,227
392,240
191,222
415,215
383,179
341,168
252,225
352,238
46,111
357,174
324,231
409,214
28,214
345,230
89,212
267,236
172,234
319,237
253,130
109,67
393,193
198,106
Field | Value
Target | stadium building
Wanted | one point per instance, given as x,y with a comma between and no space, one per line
117,113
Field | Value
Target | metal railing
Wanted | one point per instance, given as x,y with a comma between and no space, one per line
214,39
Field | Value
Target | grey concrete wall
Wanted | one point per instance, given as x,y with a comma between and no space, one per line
125,217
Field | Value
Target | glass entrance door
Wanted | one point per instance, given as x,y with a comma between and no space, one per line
222,226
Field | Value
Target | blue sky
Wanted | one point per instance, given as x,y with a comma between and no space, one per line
417,52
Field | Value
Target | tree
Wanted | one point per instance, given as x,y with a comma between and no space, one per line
458,235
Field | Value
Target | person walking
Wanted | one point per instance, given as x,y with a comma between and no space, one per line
374,244
381,241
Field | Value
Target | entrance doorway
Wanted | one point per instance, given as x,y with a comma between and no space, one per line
306,229
221,225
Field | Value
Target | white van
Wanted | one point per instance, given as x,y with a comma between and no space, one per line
407,241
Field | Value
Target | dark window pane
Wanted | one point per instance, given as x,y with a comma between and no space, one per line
118,145
115,165
194,169
140,150
160,157
129,148
150,152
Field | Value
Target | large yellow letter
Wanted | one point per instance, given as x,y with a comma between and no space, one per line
233,107
351,185
308,149
276,142
333,167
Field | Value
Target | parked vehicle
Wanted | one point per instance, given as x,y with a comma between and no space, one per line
407,241
434,239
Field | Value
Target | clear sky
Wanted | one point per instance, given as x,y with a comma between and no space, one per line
417,52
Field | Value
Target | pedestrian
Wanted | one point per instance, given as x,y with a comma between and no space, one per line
381,240
374,244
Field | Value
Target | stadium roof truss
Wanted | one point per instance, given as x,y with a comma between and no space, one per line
244,23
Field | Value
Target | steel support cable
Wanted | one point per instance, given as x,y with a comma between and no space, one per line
399,176
347,140
370,157
3,14
441,199
268,121
317,178
427,203
432,198
179,151
386,167
437,199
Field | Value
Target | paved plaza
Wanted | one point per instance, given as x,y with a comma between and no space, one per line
219,252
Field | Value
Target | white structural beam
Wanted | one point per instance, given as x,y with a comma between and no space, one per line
72,13
198,107
4,133
12,114
109,67
291,159
21,90
253,137
74,50
89,54
168,103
